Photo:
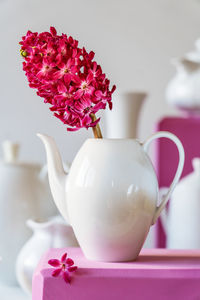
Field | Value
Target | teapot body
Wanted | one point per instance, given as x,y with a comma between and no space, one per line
111,194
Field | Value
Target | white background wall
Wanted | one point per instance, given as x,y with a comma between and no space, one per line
133,41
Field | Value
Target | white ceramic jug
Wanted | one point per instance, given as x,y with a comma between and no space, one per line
54,233
182,220
24,194
183,91
111,194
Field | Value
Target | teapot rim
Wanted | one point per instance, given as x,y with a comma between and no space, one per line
114,139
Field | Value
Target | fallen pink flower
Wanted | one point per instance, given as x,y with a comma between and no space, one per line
64,267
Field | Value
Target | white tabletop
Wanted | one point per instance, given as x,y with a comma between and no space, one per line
12,293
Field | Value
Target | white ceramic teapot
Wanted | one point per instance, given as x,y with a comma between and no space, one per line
182,220
52,233
111,194
183,91
24,194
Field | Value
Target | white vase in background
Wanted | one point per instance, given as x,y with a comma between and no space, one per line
121,121
183,91
24,193
110,195
54,233
182,220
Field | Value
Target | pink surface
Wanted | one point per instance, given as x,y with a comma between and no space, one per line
188,131
156,274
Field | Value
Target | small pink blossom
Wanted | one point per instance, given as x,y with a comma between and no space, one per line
66,77
64,267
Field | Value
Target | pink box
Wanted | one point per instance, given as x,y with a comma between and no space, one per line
158,274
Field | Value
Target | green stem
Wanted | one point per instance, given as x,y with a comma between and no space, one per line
96,130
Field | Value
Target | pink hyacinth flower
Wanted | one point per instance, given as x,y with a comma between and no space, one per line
64,267
66,77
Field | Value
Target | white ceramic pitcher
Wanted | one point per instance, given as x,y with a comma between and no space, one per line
111,194
183,91
182,220
52,233
24,194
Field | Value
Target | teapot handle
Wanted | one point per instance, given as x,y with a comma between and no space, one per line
164,214
172,137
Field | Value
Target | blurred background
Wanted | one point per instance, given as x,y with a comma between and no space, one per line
133,41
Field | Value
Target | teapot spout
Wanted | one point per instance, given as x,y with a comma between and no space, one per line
56,173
